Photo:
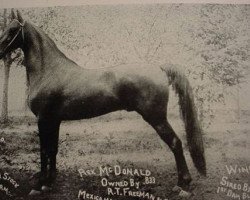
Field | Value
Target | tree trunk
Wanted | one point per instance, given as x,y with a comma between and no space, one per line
4,113
26,107
7,63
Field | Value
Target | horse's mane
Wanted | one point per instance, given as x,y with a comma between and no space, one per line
43,35
46,38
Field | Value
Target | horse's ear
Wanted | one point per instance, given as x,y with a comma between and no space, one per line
13,16
19,17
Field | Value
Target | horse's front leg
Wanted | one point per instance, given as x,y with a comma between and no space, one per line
48,135
52,152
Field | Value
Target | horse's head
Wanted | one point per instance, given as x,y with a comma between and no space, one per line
13,35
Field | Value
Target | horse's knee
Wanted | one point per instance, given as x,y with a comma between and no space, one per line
176,145
171,139
168,134
52,152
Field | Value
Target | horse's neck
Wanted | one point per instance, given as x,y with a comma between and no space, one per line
40,52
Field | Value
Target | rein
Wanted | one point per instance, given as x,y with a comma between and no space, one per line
13,39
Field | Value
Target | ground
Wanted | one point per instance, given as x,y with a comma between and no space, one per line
125,140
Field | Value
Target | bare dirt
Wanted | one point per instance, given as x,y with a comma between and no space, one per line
125,140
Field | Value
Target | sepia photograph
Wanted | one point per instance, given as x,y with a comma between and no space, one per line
125,100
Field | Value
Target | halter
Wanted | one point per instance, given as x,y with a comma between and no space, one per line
20,29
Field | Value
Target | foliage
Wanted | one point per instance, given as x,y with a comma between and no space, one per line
223,38
225,42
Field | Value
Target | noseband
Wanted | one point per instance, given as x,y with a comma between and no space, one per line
20,29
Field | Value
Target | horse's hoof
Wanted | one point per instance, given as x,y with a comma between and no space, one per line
46,188
176,188
34,192
184,194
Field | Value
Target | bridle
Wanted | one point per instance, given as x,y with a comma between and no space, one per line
20,30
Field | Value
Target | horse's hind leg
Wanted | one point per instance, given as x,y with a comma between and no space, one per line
168,135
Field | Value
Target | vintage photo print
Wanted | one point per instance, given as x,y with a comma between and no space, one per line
124,101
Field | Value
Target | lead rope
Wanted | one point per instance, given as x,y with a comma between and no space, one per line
22,25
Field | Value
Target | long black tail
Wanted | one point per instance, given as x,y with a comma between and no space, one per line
189,114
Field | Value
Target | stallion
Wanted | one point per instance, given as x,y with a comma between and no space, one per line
59,89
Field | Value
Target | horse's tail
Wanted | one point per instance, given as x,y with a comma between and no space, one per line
189,114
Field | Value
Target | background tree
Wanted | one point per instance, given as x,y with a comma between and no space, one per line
7,64
222,34
8,61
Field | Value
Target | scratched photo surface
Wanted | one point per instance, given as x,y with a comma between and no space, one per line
119,156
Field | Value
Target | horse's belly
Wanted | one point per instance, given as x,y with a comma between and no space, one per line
88,107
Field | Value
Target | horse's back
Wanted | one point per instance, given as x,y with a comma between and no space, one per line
146,71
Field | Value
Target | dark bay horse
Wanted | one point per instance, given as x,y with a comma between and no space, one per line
59,90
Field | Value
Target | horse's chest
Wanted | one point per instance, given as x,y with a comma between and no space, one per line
37,103
40,102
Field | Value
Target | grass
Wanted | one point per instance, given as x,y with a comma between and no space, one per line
119,139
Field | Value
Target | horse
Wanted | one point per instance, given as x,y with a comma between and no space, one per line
59,90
